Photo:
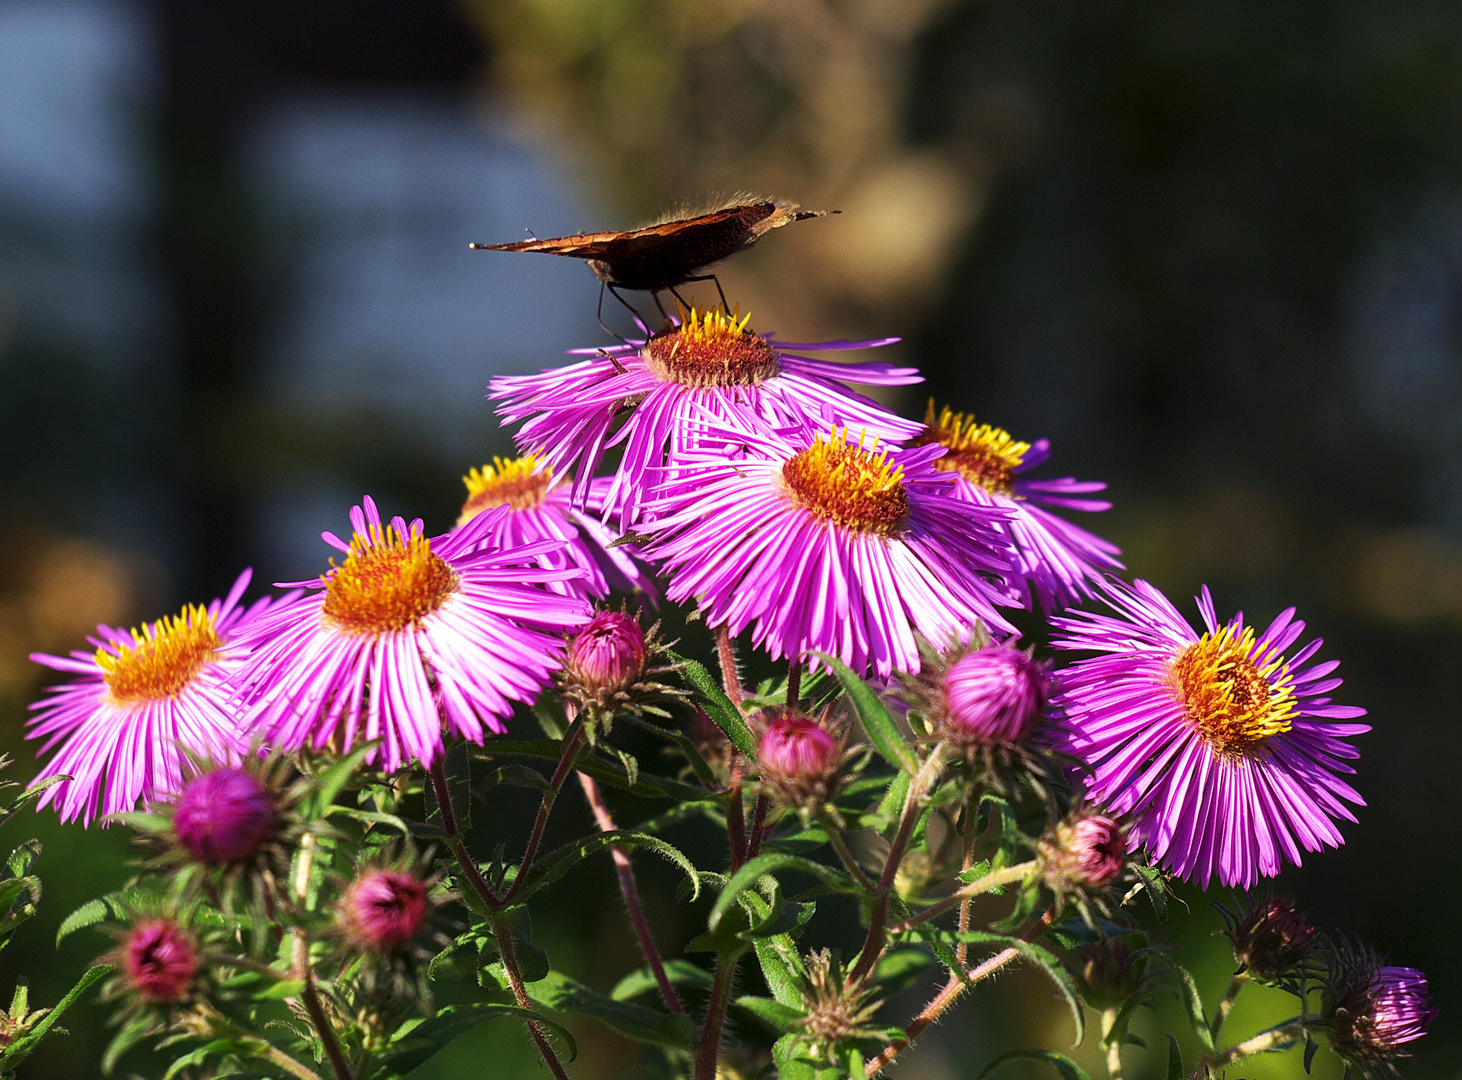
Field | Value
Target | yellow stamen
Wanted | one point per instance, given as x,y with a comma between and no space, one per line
856,487
162,659
711,348
518,482
387,582
982,454
1234,696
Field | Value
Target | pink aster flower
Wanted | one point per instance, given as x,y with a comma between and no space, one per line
406,639
540,508
819,543
655,396
143,700
1377,1011
1223,748
1056,562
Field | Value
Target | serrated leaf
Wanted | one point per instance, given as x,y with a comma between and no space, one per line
417,1041
873,714
780,967
770,862
1068,1069
24,857
643,981
369,818
88,914
716,704
638,1022
1150,880
771,1012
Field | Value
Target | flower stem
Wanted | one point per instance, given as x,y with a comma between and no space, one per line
947,997
631,894
504,935
1226,1004
572,743
1008,876
469,869
301,965
1114,1048
878,918
839,845
710,1043
1275,1038
794,684
735,811
758,824
730,669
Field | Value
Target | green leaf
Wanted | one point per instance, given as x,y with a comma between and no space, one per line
1068,1069
88,914
563,994
883,732
1043,958
20,1049
899,969
780,967
717,705
643,981
23,857
284,988
332,781
1191,999
556,863
1175,1060
418,1041
773,1013
770,862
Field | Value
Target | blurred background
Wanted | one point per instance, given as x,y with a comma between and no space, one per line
1212,250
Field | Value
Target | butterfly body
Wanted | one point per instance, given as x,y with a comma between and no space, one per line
670,253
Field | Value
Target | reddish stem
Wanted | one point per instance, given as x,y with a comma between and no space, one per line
710,1044
631,893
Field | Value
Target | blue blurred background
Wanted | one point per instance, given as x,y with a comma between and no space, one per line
1212,250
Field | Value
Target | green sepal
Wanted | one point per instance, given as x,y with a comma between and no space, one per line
1175,1060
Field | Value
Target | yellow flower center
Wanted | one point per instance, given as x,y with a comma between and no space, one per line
710,348
1233,701
857,488
162,659
982,454
387,582
513,481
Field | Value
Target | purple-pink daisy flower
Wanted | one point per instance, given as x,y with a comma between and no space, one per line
1056,562
654,396
407,639
540,508
821,543
1378,1010
1223,746
142,702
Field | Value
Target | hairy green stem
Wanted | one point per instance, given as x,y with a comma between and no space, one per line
1114,1048
1008,876
708,1055
839,845
504,935
309,996
1226,1003
1274,1039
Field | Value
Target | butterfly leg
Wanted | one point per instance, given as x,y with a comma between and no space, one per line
720,291
628,307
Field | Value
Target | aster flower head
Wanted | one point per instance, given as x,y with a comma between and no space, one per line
223,816
142,702
1056,562
799,758
1273,942
408,639
655,396
159,960
540,508
1375,1009
1224,747
611,667
827,542
383,909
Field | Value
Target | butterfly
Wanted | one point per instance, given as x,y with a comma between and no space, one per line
661,256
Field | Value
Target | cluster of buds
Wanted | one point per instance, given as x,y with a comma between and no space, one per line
800,759
610,668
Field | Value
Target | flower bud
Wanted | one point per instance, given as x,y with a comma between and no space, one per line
1087,852
159,960
993,695
1380,1010
608,654
383,909
1272,941
799,759
222,816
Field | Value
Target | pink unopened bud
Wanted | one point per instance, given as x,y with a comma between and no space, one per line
160,960
799,759
1087,853
609,652
383,909
222,816
993,695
